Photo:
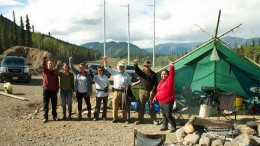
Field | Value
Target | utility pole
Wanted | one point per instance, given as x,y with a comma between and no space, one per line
128,31
104,27
153,31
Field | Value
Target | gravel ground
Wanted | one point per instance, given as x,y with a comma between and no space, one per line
21,123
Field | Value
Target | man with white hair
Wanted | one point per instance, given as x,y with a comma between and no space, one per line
122,81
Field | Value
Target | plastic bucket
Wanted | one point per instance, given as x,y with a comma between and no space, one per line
204,110
239,102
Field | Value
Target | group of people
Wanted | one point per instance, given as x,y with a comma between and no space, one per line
151,90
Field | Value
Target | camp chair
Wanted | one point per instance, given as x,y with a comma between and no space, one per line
179,111
141,139
227,105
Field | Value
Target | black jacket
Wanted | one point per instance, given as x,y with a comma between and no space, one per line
148,81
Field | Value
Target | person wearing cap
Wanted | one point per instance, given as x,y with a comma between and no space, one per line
102,86
122,81
148,85
82,87
166,97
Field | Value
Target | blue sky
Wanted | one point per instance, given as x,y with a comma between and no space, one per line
81,21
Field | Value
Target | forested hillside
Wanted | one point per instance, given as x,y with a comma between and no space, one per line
24,35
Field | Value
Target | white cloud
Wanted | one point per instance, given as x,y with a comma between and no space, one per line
81,21
10,3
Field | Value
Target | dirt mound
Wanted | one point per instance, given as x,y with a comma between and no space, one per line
33,55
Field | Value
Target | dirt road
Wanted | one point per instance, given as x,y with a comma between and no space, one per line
21,123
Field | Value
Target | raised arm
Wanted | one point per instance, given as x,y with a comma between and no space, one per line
75,71
138,71
170,79
58,68
110,70
44,62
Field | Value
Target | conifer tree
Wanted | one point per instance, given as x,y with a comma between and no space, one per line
5,40
1,27
21,33
14,31
28,32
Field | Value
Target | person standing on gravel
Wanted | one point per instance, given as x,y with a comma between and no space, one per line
82,87
50,84
148,85
122,81
102,86
166,97
66,87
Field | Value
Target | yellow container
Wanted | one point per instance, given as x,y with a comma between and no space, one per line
239,102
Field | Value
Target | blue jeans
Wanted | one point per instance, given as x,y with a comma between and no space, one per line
66,98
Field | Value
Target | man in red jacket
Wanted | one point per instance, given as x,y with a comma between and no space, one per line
50,87
166,97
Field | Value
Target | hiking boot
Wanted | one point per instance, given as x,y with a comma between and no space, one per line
127,121
104,119
164,128
69,117
155,122
55,119
79,116
95,119
89,116
172,130
138,122
64,117
44,120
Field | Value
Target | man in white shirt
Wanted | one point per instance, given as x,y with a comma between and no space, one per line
121,81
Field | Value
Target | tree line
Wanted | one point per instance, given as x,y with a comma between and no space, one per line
24,35
250,50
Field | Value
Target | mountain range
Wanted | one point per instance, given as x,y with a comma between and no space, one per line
117,49
114,49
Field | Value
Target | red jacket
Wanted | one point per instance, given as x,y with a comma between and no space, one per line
165,89
50,79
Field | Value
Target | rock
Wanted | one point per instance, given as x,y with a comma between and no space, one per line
192,138
254,140
188,128
204,141
229,143
217,142
242,140
180,134
258,129
248,130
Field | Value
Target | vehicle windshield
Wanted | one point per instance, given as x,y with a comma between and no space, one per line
14,61
128,67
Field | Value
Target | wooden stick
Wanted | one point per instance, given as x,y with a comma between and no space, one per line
14,96
230,30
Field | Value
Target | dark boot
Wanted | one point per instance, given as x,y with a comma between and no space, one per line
164,128
89,115
79,116
64,117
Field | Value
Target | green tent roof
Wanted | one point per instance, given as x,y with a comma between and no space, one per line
231,73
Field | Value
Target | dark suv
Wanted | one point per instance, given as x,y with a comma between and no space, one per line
14,68
94,69
131,71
